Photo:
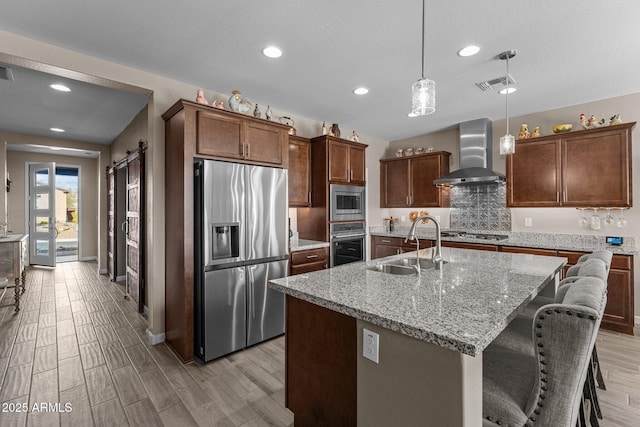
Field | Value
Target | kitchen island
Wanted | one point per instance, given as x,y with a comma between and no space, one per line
432,331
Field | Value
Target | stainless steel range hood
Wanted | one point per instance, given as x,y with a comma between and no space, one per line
476,150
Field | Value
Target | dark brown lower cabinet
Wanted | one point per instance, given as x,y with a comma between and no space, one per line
308,260
618,315
321,386
383,246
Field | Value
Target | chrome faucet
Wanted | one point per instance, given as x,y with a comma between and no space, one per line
436,256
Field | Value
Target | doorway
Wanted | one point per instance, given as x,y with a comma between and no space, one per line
67,225
54,213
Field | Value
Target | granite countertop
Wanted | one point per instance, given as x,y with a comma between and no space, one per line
462,307
569,242
304,244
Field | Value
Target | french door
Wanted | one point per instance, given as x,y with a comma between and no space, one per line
42,208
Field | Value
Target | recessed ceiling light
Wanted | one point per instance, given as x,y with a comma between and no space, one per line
412,114
469,50
55,148
509,90
272,52
56,129
361,91
60,87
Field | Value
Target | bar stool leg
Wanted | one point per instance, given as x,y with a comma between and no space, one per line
596,365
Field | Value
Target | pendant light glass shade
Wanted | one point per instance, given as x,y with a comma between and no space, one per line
507,142
423,97
423,92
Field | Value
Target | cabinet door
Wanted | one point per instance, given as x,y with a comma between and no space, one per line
595,170
338,162
394,184
423,171
618,314
264,143
533,175
219,136
357,165
299,172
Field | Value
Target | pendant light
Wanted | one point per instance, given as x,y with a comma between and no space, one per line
507,142
423,92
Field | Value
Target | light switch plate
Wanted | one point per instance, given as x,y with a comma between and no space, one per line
370,345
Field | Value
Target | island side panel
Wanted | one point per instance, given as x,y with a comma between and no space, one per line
417,383
320,365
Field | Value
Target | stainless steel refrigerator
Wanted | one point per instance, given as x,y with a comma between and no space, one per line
241,235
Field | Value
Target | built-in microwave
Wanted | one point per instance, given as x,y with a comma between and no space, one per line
347,203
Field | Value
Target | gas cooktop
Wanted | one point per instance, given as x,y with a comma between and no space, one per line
474,235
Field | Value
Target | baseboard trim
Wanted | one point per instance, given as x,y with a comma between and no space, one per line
155,339
102,271
121,278
88,258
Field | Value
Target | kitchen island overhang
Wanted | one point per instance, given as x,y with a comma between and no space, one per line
448,317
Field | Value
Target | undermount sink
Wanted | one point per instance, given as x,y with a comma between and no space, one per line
393,269
404,266
424,263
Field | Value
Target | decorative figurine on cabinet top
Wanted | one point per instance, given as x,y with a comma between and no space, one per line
217,104
239,103
268,113
354,137
535,133
200,99
615,120
595,123
583,121
256,112
524,132
335,129
324,129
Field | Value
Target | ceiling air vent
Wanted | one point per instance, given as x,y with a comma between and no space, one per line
488,85
5,73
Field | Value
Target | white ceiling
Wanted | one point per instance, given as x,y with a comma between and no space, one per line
569,52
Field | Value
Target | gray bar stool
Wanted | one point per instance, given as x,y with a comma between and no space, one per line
544,385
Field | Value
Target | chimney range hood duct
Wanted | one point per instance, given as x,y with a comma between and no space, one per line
476,150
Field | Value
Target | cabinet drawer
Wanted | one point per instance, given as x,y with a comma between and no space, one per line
621,262
309,256
476,246
411,244
308,268
391,241
571,256
530,251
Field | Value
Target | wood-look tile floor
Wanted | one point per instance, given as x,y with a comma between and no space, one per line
76,341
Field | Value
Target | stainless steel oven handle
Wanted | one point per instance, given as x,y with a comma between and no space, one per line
346,236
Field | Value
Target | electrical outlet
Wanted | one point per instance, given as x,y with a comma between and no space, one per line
528,222
402,218
370,345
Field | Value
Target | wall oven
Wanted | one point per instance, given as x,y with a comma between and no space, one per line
348,242
347,203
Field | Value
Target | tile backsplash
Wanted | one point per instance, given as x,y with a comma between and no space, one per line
480,207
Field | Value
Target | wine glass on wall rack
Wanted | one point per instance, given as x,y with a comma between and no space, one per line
608,218
621,221
582,221
595,220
